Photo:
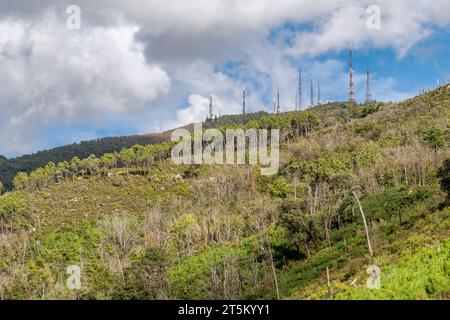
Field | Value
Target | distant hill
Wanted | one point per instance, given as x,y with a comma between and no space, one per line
98,147
27,163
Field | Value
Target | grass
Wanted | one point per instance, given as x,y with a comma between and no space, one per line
414,261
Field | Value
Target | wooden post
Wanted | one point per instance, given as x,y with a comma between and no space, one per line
406,176
365,227
329,282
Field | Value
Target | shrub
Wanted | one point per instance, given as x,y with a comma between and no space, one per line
279,188
444,175
9,204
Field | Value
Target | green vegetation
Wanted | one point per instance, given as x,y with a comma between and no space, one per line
10,167
425,274
142,228
98,147
444,175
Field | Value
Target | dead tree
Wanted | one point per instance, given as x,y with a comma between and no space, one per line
365,227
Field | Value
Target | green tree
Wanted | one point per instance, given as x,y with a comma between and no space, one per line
63,171
91,165
21,181
280,188
108,161
75,165
303,230
444,175
127,157
434,138
147,279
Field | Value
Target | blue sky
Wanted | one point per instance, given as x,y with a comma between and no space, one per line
144,67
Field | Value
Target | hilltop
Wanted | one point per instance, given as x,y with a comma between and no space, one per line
142,228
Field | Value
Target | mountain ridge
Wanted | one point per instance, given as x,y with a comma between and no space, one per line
98,147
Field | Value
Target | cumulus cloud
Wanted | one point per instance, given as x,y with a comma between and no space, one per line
401,27
213,29
203,81
170,55
54,74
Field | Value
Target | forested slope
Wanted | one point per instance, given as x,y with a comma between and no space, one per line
142,228
27,163
98,147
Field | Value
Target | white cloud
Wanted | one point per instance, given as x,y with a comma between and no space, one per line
57,75
134,55
196,111
202,81
403,24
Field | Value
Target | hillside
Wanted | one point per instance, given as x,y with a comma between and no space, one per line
142,228
98,147
27,163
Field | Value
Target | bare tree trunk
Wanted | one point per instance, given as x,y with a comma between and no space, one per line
255,275
225,291
327,233
310,200
406,176
122,275
365,226
315,200
273,269
307,249
329,283
295,188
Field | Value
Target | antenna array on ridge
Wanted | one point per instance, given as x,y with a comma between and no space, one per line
243,106
211,106
278,109
298,104
369,98
351,93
